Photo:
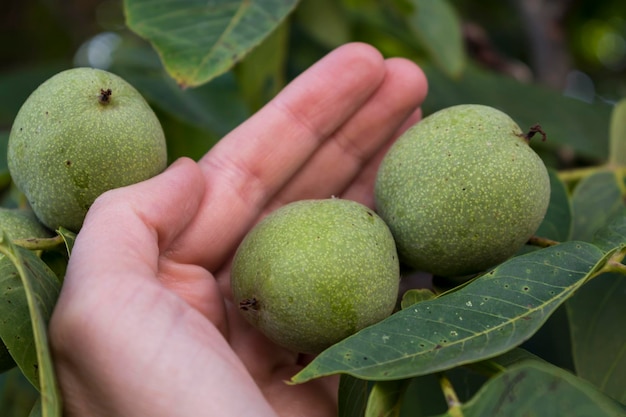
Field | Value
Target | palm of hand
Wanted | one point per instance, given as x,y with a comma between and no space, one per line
145,324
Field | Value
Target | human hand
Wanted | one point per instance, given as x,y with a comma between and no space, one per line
145,324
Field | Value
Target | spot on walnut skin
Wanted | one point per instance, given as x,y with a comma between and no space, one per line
105,96
249,304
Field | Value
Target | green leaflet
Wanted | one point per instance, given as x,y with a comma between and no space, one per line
199,40
29,291
487,317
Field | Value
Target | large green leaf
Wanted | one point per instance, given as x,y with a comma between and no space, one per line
538,389
184,139
557,223
613,234
17,394
598,338
424,397
353,393
261,75
193,119
334,31
18,84
16,328
199,40
596,200
428,29
385,399
216,107
438,29
488,316
30,290
580,126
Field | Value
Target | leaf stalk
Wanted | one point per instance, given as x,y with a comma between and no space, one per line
39,243
572,176
454,405
541,242
613,264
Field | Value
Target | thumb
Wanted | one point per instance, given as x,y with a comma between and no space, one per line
162,206
125,231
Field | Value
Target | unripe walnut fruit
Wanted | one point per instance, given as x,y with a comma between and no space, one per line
462,191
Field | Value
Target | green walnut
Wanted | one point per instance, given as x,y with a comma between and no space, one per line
462,190
16,224
82,132
316,271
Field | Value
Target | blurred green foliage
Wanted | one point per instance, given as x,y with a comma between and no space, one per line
471,51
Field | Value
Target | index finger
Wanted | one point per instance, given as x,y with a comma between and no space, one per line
247,167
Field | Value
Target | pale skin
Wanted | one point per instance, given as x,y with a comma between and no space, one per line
145,324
